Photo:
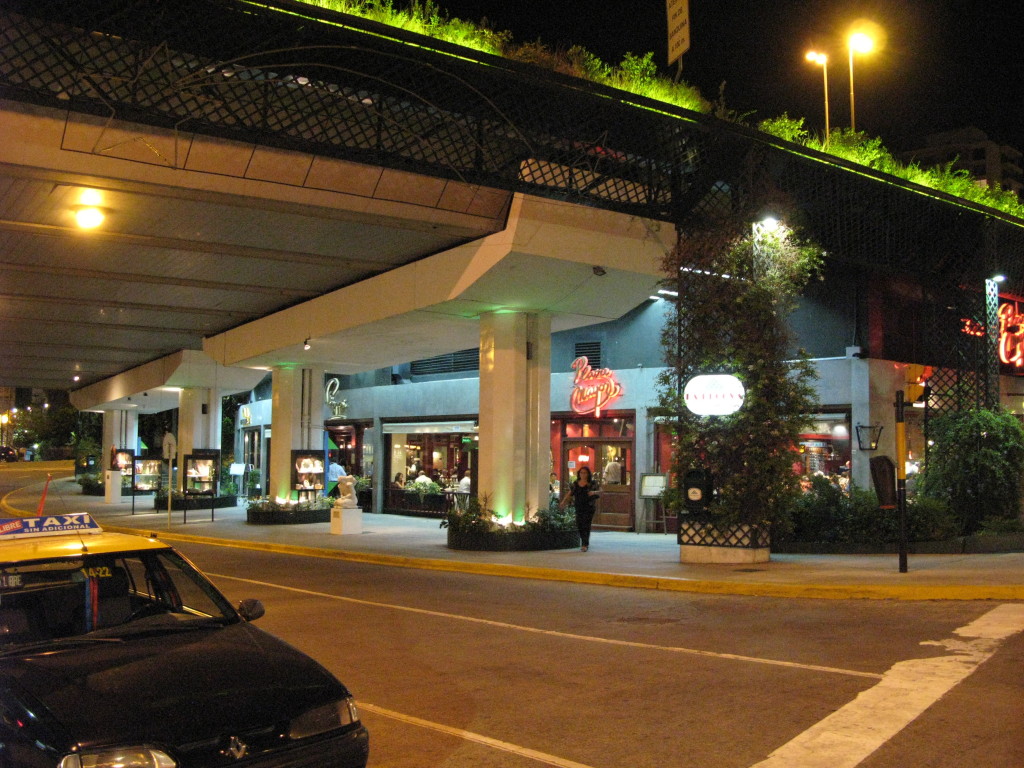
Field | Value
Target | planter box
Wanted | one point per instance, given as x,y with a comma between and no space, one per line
364,499
287,516
523,541
401,502
703,542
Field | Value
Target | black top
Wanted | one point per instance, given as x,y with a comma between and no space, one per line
581,498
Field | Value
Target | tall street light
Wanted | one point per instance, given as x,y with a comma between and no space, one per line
820,58
858,42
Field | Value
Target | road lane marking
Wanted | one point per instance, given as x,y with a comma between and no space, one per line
564,635
532,754
849,735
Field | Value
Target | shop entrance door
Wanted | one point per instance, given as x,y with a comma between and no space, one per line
611,464
252,458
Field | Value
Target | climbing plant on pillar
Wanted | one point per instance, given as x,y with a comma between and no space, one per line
737,275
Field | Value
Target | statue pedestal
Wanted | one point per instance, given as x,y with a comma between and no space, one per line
346,520
112,486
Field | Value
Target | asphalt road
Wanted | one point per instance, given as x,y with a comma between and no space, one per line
18,474
461,670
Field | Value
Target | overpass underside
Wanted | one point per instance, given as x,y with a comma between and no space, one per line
299,78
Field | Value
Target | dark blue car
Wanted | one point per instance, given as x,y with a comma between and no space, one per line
115,652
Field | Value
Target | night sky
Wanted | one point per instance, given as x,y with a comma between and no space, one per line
946,63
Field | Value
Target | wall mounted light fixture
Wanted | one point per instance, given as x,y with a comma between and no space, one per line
868,436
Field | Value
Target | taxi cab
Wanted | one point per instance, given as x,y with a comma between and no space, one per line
116,652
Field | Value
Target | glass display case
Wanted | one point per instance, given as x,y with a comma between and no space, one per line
308,474
201,468
147,475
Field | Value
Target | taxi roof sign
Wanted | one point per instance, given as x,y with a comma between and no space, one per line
48,525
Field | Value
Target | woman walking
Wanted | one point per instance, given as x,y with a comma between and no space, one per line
584,496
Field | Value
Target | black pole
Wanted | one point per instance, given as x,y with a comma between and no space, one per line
901,479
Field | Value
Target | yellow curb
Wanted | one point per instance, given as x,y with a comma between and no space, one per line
630,581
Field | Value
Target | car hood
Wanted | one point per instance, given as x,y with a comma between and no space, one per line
171,687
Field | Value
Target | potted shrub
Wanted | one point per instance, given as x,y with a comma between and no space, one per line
364,492
92,484
426,499
735,285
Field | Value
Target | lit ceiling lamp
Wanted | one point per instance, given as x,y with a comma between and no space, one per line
88,213
89,217
306,345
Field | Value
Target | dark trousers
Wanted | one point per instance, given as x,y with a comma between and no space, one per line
583,522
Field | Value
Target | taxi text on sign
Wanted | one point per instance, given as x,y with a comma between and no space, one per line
52,525
678,28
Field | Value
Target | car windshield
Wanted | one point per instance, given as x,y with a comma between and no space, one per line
66,598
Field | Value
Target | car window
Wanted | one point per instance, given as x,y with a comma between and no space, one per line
60,598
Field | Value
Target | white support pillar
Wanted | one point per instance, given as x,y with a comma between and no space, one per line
296,420
120,430
199,417
515,411
873,386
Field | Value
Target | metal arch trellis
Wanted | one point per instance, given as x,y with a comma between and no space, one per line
297,77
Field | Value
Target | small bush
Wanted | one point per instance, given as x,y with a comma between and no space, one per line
91,484
974,464
827,515
930,519
997,526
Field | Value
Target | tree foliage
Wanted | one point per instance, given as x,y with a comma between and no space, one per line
735,290
974,463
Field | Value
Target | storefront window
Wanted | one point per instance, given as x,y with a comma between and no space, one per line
444,458
825,449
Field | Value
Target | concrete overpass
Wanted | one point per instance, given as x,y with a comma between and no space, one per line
285,174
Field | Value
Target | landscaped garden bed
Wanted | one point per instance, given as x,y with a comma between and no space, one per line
476,528
270,512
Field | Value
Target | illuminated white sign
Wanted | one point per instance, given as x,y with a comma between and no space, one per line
714,394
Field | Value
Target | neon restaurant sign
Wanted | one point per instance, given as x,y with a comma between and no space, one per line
593,389
1011,335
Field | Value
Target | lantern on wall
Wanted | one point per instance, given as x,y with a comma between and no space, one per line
868,436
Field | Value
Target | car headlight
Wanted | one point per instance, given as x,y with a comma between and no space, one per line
121,757
326,717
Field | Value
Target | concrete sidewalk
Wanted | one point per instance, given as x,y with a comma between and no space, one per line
647,561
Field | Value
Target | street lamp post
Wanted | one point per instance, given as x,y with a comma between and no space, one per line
822,59
857,43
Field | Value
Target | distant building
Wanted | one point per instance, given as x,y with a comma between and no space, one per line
970,149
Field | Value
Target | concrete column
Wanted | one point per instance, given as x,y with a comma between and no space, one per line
861,412
296,419
515,411
199,417
381,482
873,388
121,430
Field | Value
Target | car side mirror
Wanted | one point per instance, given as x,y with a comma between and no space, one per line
251,609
